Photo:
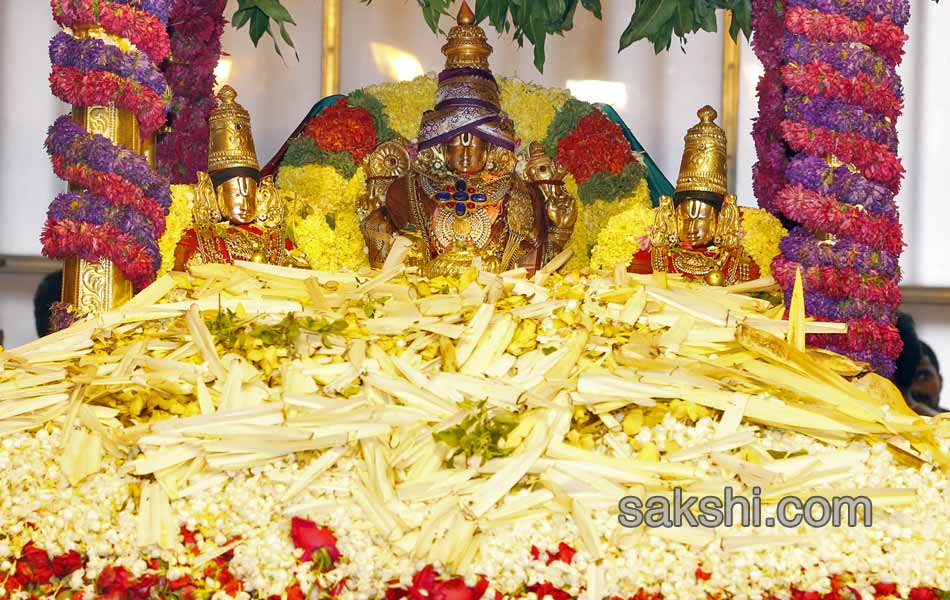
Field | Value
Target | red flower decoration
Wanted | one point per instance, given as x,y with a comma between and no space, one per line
66,563
342,128
821,79
922,593
875,161
310,538
549,589
885,589
596,145
114,581
702,575
33,566
427,586
294,592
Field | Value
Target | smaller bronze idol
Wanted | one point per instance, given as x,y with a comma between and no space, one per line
237,214
697,232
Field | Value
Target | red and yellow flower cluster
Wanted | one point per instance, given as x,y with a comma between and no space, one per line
344,128
596,145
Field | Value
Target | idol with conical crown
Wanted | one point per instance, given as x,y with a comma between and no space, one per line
460,199
237,214
697,232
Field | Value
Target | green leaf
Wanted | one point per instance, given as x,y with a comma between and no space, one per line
684,19
241,17
288,40
594,7
270,32
484,8
259,25
275,10
650,18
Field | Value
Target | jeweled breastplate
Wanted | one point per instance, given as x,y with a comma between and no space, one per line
268,246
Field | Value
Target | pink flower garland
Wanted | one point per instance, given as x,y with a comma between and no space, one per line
73,86
821,79
839,283
91,242
883,36
144,30
113,188
862,335
874,160
824,213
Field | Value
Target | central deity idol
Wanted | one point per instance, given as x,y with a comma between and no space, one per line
460,199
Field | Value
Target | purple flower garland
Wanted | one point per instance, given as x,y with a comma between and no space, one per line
850,187
848,58
92,54
159,8
779,167
76,145
897,10
838,115
84,207
803,247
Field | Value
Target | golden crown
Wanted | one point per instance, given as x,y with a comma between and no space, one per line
468,45
230,143
703,168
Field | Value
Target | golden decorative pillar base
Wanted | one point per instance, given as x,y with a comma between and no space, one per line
94,287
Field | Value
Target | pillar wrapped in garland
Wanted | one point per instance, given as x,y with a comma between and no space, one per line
106,227
826,139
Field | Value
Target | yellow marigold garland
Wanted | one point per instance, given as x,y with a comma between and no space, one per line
405,102
622,237
531,107
763,232
177,221
329,197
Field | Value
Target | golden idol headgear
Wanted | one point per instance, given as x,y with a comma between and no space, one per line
468,45
230,143
703,168
467,99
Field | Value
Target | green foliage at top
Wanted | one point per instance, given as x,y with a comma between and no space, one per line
534,20
564,122
479,434
260,13
374,107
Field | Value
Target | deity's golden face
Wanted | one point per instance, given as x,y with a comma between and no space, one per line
696,222
237,199
466,154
